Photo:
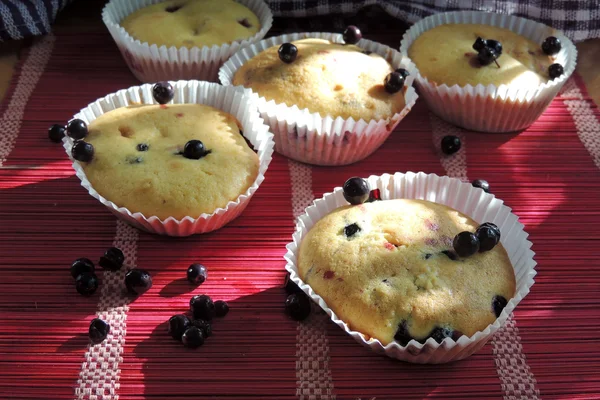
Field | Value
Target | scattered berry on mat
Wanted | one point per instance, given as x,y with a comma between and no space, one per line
197,274
112,259
138,281
202,307
192,337
297,306
82,265
98,331
221,308
450,144
86,283
481,183
178,324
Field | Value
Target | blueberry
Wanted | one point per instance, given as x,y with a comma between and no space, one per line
134,160
481,183
297,306
77,129
56,133
138,281
479,44
193,337
551,46
202,307
82,151
493,226
374,195
112,259
393,83
142,147
204,326
486,56
98,331
450,254
194,150
352,35
86,283
404,73
289,285
163,92
465,244
450,144
287,53
356,190
197,274
221,308
496,47
428,256
82,265
555,70
498,304
402,336
350,230
178,324
488,238
439,334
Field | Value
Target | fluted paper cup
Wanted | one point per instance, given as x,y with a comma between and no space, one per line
241,104
151,63
474,202
319,139
492,108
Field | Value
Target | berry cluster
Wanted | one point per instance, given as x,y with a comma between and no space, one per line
192,332
485,238
488,51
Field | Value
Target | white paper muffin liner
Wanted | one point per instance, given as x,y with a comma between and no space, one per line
240,104
150,63
492,108
311,137
474,202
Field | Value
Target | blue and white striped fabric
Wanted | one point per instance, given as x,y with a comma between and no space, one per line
578,19
23,18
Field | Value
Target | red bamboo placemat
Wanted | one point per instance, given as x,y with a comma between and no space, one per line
548,174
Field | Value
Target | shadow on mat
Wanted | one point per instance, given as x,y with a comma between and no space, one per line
251,354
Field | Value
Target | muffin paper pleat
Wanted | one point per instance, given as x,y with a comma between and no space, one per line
151,63
474,202
491,108
241,104
311,137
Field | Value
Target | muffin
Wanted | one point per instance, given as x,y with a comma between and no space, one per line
388,269
183,39
327,102
178,168
192,23
488,72
139,161
327,78
393,269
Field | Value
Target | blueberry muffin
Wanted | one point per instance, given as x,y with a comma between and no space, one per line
388,269
446,55
169,160
326,78
192,23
